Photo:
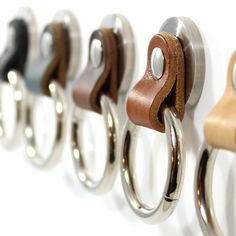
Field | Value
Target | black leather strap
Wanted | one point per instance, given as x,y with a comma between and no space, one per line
15,56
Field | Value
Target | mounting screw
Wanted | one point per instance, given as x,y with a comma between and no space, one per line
47,44
96,52
157,62
234,77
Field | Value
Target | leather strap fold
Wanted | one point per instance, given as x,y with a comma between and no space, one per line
57,69
220,124
14,56
51,68
150,95
102,80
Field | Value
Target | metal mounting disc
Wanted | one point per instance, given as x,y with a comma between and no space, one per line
28,16
192,44
69,20
122,28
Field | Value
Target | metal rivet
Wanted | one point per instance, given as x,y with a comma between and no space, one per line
234,77
157,62
11,36
96,52
47,44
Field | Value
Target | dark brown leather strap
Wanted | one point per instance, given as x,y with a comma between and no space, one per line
150,95
95,82
57,68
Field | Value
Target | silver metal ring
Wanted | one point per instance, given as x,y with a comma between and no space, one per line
203,192
175,174
58,95
110,171
19,98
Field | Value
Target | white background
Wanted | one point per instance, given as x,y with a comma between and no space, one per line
35,202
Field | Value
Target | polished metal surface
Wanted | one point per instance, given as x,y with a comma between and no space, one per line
203,191
157,62
175,174
110,171
58,95
11,37
234,77
46,44
96,52
192,44
123,30
70,21
19,98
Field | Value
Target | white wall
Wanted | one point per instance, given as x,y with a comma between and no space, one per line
34,202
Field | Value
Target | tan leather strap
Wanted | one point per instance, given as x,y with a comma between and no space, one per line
220,124
150,95
57,68
95,82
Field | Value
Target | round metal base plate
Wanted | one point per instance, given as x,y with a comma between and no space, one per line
190,38
27,15
68,18
123,30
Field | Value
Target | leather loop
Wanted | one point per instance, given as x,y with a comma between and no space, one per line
53,67
57,69
15,55
220,124
101,80
150,95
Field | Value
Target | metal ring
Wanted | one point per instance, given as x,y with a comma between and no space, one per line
203,191
110,171
58,95
19,98
175,174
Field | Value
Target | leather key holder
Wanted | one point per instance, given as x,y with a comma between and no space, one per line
151,95
100,80
15,55
53,67
220,124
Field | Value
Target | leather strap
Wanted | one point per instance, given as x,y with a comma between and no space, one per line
53,68
103,80
150,95
14,56
220,124
57,69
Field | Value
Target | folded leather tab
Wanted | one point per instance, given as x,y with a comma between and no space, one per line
220,124
53,67
150,95
14,56
101,80
57,69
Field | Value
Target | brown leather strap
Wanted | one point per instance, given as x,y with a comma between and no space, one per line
220,124
150,95
95,82
57,68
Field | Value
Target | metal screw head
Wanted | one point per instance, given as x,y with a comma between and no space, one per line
11,37
234,77
47,44
96,52
157,63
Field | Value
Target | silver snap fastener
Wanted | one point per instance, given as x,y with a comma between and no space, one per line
47,44
157,62
96,52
